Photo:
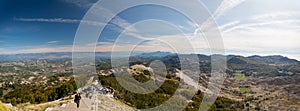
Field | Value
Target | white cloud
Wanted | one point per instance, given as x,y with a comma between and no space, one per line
52,42
117,21
267,33
230,24
225,6
276,16
248,26
81,3
59,20
288,19
262,40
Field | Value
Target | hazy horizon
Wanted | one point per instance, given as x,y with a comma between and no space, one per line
137,53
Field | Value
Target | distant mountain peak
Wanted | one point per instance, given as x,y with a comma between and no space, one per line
155,54
274,59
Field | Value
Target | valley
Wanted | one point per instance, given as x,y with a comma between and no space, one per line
252,83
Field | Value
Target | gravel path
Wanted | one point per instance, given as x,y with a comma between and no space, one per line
105,103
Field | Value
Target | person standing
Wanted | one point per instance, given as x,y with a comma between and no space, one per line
77,99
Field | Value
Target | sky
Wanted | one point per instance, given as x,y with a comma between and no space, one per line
248,27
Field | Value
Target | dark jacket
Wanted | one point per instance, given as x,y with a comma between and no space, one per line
77,97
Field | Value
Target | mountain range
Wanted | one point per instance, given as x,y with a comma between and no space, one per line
234,59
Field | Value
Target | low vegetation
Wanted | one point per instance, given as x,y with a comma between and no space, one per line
240,77
36,94
162,94
245,90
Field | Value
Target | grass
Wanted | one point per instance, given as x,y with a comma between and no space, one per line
290,73
245,90
286,72
240,77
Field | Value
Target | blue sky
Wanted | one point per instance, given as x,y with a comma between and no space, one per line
248,27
